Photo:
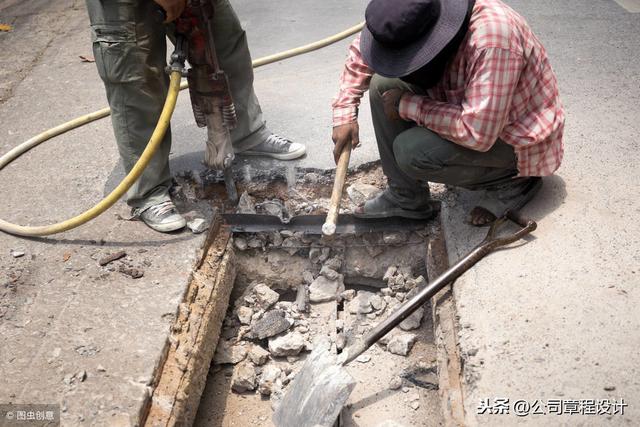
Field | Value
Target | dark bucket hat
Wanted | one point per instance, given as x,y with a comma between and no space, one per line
401,36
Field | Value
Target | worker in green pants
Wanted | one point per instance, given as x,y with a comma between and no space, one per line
129,46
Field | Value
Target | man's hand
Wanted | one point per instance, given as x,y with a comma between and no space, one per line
173,8
344,134
391,103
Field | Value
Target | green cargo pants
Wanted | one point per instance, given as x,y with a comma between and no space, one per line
130,49
412,156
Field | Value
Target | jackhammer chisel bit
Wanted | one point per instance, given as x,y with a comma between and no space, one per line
211,99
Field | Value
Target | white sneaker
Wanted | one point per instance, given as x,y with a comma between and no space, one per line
163,217
277,147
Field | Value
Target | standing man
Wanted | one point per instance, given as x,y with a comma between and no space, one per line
129,46
461,93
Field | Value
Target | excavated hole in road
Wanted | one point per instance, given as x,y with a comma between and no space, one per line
292,288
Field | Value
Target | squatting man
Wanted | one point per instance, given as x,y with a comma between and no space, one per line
462,93
129,47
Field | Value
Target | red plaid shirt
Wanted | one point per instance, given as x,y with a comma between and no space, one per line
499,85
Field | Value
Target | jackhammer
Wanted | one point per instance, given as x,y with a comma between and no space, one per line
211,99
177,64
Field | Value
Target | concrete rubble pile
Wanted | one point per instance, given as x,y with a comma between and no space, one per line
272,327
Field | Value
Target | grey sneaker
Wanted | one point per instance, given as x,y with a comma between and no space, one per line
277,147
163,217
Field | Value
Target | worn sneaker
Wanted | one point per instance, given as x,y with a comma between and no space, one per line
277,147
163,217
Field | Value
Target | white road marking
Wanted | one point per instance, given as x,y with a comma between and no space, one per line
632,6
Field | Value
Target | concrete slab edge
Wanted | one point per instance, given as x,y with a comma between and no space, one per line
194,337
444,319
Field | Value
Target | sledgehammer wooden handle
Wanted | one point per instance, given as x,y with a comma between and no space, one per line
329,227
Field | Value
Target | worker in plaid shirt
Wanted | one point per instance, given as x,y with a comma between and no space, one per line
461,93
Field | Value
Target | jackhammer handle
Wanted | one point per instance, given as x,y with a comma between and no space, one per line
329,227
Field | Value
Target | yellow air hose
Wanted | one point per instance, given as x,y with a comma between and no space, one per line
157,136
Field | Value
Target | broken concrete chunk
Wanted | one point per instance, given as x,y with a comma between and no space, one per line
291,245
341,341
329,273
265,296
394,237
198,225
387,292
334,263
134,273
417,283
289,344
361,304
319,255
363,358
395,383
348,295
413,321
401,344
270,374
255,243
314,255
16,253
244,377
272,323
258,355
323,289
307,276
274,208
276,239
111,257
359,193
246,204
240,243
302,298
228,353
377,302
244,315
391,271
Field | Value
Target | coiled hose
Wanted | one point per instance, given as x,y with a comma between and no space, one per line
156,138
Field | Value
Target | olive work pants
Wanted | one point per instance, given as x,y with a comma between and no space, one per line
130,50
412,156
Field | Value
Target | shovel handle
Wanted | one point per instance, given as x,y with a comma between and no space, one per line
329,227
488,245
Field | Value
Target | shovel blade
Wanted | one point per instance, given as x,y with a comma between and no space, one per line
318,392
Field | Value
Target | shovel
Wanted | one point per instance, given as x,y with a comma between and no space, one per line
323,385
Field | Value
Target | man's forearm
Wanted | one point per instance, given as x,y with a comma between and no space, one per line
354,81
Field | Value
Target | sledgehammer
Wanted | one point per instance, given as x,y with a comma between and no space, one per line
329,227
